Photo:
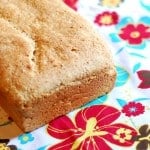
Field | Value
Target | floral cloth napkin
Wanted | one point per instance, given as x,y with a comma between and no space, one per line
119,120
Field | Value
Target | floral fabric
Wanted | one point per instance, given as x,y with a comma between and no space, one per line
119,120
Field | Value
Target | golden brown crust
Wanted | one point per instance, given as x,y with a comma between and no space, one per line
46,50
33,114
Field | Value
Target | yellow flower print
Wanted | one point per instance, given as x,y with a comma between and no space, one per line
4,147
111,3
122,135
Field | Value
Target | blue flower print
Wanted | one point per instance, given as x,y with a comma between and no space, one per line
25,138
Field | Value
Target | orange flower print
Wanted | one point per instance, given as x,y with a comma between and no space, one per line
106,18
91,129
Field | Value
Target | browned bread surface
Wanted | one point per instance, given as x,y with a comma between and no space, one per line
51,61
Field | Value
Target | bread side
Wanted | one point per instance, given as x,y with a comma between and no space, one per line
51,61
40,111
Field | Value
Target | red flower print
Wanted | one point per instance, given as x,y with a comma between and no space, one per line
135,34
144,75
107,18
91,129
71,3
133,109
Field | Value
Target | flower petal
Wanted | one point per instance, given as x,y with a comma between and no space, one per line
144,130
61,128
112,131
144,75
87,144
144,85
135,41
64,145
104,115
125,31
141,27
71,3
144,30
101,144
106,18
94,143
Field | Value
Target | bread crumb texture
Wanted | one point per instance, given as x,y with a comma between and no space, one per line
45,47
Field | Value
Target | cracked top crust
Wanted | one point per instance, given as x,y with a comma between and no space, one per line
44,44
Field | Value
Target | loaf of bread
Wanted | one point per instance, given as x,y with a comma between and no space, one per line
51,61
